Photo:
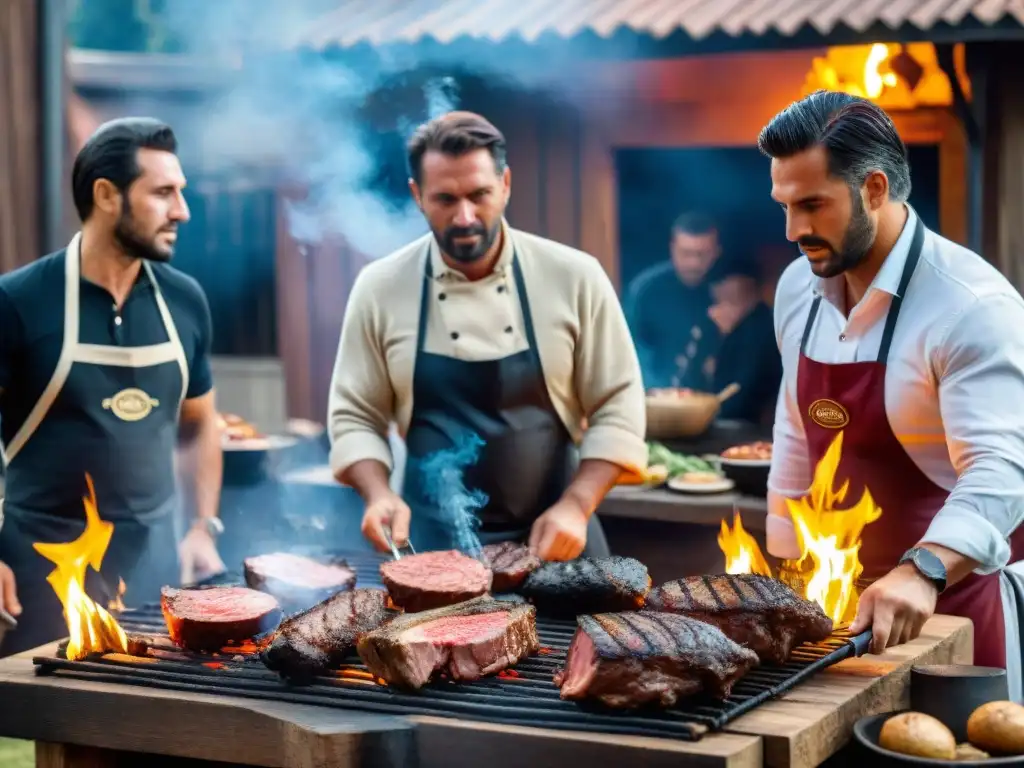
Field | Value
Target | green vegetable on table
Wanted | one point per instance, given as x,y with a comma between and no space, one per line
677,463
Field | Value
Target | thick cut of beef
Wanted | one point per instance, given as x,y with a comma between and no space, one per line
297,582
510,563
434,579
626,660
209,618
316,640
586,585
466,641
758,612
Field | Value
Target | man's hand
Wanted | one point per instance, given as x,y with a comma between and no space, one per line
199,556
561,532
386,511
727,315
895,607
8,594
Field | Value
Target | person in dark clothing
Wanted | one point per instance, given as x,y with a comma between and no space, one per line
667,306
748,353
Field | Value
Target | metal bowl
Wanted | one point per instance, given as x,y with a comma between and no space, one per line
951,692
866,732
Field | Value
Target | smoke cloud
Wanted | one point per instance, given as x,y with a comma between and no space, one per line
441,475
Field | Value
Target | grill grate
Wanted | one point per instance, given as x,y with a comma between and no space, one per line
525,696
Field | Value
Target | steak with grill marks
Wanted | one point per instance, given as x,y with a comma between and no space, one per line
434,579
297,582
587,585
316,640
625,660
510,563
208,618
758,612
466,641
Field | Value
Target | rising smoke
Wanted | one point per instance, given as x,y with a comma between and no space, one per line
441,474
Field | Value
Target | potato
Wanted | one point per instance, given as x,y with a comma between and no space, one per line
914,733
997,726
970,752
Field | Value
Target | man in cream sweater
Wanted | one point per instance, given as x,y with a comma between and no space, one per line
489,348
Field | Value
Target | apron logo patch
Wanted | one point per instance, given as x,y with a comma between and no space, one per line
828,414
130,404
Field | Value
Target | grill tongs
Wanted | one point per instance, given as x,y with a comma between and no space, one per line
397,552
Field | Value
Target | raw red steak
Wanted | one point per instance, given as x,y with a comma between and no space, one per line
208,619
510,563
298,582
625,660
434,579
467,641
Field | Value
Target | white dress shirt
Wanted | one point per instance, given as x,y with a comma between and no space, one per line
954,385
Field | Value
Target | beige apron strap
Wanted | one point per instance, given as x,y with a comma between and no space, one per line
127,357
172,331
72,273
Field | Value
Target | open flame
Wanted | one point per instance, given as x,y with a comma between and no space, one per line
91,629
829,540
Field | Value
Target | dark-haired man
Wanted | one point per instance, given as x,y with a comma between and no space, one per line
910,346
481,337
104,352
667,305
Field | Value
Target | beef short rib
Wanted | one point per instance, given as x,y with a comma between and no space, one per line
297,582
320,638
510,563
466,641
586,585
434,579
758,612
626,660
207,619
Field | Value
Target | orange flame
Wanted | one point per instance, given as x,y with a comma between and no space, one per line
829,540
91,629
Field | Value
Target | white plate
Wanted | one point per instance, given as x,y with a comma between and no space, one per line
682,486
269,443
746,462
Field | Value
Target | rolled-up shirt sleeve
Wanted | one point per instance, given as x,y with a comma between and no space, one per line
361,400
979,365
608,380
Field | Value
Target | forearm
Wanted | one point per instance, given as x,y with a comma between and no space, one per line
208,468
958,566
593,480
369,477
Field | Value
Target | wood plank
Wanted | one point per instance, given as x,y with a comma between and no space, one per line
812,722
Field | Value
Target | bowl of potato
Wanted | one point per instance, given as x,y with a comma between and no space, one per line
995,737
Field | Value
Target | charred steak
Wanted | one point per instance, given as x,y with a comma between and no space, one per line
588,585
434,579
466,641
207,619
758,612
625,660
510,563
297,582
316,640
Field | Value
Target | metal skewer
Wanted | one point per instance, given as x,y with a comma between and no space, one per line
396,552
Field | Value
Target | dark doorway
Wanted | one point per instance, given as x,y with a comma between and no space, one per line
732,184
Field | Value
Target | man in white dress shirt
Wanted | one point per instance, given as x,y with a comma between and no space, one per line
929,406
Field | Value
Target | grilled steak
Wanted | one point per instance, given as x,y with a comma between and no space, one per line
209,618
625,660
434,579
467,641
297,582
510,563
316,640
759,612
588,585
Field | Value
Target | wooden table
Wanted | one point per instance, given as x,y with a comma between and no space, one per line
92,724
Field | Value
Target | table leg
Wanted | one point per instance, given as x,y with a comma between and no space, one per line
50,755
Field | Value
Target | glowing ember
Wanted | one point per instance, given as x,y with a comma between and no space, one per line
742,555
90,628
829,540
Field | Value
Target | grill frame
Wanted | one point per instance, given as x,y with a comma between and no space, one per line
528,699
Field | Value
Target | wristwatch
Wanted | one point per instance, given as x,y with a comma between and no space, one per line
928,565
212,525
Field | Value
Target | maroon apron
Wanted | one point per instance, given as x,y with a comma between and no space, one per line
851,397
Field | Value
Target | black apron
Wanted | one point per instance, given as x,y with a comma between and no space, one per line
526,457
129,399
